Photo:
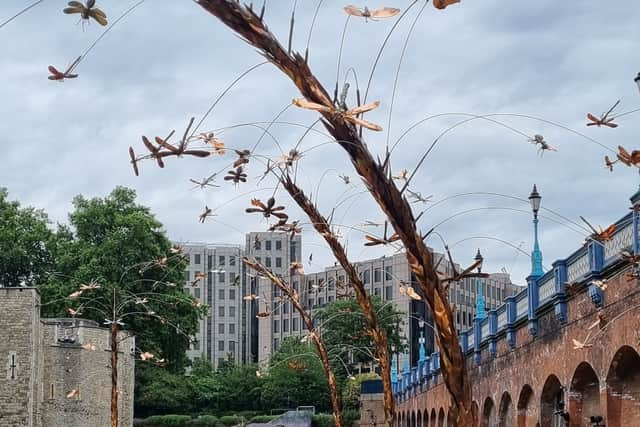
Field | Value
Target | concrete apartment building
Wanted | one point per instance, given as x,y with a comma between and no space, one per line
223,333
231,330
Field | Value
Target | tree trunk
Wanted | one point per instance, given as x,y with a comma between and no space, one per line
114,374
292,294
248,25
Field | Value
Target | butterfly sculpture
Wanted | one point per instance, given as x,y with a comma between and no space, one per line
632,159
383,12
347,115
59,76
267,209
604,119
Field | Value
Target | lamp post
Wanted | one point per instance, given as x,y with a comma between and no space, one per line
536,255
481,311
422,354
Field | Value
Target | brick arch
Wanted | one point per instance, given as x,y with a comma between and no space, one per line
441,417
623,387
425,416
433,418
403,419
488,416
584,395
413,419
506,416
552,398
526,417
419,419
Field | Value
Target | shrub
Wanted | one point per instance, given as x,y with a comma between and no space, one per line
203,421
349,416
230,420
167,421
137,422
263,419
322,420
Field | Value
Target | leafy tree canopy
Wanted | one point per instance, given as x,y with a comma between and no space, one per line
26,243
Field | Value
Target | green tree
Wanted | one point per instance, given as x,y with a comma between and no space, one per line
295,377
159,391
343,329
119,244
240,388
26,243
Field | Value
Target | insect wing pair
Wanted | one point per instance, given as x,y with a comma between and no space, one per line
383,12
86,11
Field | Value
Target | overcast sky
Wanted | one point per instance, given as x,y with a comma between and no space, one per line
169,60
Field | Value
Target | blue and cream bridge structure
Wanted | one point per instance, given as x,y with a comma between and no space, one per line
563,296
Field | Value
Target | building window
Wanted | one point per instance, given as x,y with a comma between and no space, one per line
278,245
296,286
341,280
331,281
267,245
220,362
209,260
221,260
285,308
232,260
276,326
320,282
259,260
232,294
292,251
220,294
232,329
377,275
196,293
321,301
267,262
257,243
388,272
187,276
310,303
366,277
285,325
196,259
330,299
221,311
310,284
376,291
220,345
221,277
232,347
294,324
276,344
388,293
221,328
232,312
276,307
278,262
232,277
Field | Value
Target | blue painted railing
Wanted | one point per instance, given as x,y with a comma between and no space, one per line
544,293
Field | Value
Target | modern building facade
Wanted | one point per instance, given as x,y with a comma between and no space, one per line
232,329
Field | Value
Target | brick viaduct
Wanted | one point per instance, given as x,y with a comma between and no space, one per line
523,362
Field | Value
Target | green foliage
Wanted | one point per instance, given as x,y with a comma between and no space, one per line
168,420
230,420
351,389
263,419
27,244
242,388
203,421
295,378
118,244
344,327
322,420
159,391
350,416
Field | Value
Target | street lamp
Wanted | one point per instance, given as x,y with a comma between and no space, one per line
536,255
480,305
637,80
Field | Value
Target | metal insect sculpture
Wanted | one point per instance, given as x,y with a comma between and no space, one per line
407,290
608,164
59,76
341,112
383,12
236,176
205,182
268,209
289,159
86,11
544,146
296,268
418,197
604,119
345,179
403,175
243,158
600,235
374,241
632,159
441,4
217,144
206,213
134,161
